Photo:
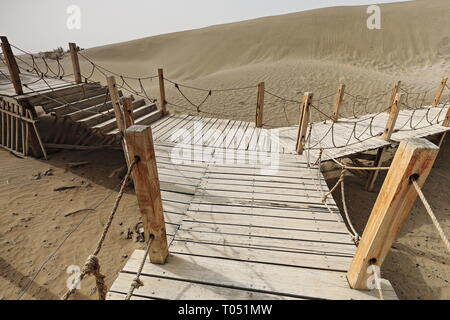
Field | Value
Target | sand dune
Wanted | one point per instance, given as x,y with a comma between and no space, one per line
306,51
408,38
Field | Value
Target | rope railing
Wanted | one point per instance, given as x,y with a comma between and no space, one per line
431,214
353,102
125,83
34,66
92,264
137,283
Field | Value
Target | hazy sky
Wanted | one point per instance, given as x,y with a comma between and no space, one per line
42,24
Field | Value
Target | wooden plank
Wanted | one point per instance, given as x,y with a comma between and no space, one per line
247,137
291,281
268,233
305,213
269,222
219,143
215,132
163,288
139,142
176,124
414,157
313,247
238,136
263,255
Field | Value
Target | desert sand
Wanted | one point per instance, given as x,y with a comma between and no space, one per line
306,51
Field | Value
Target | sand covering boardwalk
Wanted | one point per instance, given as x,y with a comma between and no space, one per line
252,228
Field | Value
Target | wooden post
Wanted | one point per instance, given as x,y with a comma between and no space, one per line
75,62
11,63
437,96
115,100
393,95
373,175
303,122
127,112
338,102
390,127
260,105
393,114
139,142
162,92
414,158
445,123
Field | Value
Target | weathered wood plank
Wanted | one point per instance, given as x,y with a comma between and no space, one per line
284,280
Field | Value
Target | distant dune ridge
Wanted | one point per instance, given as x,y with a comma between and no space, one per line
296,52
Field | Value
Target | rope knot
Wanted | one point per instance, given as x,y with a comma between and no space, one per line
91,266
137,283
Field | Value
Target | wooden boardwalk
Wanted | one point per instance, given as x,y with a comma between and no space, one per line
344,137
244,214
87,117
243,228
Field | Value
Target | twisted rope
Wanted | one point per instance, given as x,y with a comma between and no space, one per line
431,214
92,265
137,283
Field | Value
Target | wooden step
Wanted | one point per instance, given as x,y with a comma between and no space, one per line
144,120
109,114
91,111
51,104
111,124
48,102
80,105
39,99
149,118
95,109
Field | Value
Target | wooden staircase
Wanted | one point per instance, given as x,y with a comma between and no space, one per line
83,115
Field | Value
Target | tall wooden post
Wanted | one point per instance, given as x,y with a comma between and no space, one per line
260,105
75,62
127,112
338,102
394,93
139,142
13,68
393,115
414,158
115,100
162,92
303,122
437,96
